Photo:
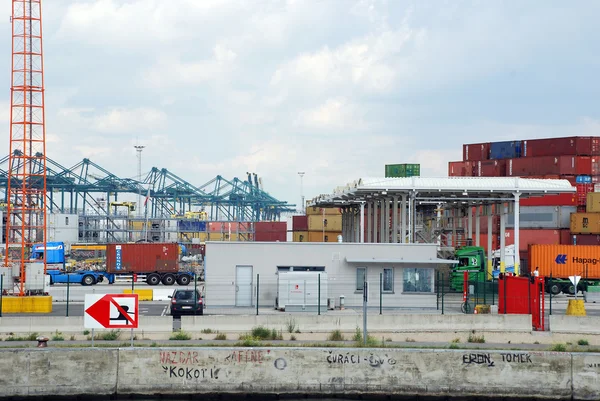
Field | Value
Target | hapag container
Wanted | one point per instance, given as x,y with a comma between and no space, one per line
505,150
551,200
142,258
584,239
323,210
316,236
328,223
554,217
300,236
593,202
585,223
575,257
491,168
476,151
300,223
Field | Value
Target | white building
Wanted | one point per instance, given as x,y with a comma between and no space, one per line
404,272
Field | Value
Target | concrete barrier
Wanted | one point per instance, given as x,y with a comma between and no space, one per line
74,325
306,371
161,294
143,294
575,324
382,323
33,304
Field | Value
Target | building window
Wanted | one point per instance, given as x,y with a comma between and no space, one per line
301,268
388,280
418,280
360,278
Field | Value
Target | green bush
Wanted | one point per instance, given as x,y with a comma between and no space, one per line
291,325
292,338
180,335
221,337
207,331
58,337
336,335
559,348
86,332
248,341
261,332
583,342
453,346
108,336
476,339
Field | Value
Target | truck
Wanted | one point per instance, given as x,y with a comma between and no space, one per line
152,262
557,263
56,267
473,259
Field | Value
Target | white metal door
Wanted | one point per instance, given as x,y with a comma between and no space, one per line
243,286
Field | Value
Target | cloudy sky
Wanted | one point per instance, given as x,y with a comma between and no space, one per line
335,88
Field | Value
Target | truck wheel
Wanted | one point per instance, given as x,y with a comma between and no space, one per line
153,279
554,289
184,279
88,280
168,279
570,289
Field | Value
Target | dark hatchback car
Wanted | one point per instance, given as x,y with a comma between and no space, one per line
184,302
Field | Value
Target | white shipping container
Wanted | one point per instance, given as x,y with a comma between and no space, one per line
7,280
62,220
299,291
35,277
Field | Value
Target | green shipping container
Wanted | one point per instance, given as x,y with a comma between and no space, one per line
402,170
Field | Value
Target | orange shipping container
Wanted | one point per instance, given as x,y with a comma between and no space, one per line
311,211
585,223
563,261
316,236
300,236
328,223
593,202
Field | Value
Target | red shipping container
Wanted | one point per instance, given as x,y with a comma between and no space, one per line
584,239
532,236
300,223
490,168
526,166
270,227
476,151
270,236
551,200
583,165
142,258
460,169
595,165
215,226
574,146
582,191
571,178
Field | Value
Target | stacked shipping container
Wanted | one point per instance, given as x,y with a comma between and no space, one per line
318,225
402,170
576,159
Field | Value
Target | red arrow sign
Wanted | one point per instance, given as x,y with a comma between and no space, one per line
121,306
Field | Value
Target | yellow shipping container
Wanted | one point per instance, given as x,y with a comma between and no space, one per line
327,223
593,202
300,236
311,211
316,236
137,225
585,223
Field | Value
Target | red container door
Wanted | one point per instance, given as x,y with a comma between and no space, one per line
583,165
300,223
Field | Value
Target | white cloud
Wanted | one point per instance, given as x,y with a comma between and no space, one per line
336,114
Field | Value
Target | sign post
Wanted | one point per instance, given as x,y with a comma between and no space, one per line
111,311
365,300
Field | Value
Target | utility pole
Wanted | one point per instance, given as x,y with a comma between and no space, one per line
138,149
301,174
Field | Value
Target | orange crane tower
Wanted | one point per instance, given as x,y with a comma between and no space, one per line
26,188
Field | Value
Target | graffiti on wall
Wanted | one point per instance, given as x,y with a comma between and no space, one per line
352,358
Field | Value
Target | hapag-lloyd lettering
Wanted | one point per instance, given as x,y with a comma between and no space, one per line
585,261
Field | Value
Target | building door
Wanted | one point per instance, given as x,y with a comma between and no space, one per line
243,286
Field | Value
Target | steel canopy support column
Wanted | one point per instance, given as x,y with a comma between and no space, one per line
411,205
470,221
489,212
502,237
369,221
386,221
357,225
516,230
395,220
477,225
403,214
362,222
375,215
382,221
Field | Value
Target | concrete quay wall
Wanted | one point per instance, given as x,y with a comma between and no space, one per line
307,371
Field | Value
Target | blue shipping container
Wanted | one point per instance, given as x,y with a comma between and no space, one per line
583,179
505,150
191,226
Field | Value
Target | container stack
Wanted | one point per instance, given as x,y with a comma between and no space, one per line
270,231
585,226
402,170
552,218
318,225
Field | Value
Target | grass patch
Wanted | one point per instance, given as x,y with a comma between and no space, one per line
263,333
358,339
72,338
476,339
292,338
29,337
58,336
583,342
558,348
291,325
207,331
248,341
335,335
389,339
181,336
86,332
221,337
456,340
454,346
112,335
409,340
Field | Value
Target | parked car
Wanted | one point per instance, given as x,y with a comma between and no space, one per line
186,302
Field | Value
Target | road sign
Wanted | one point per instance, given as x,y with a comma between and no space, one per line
111,311
575,280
